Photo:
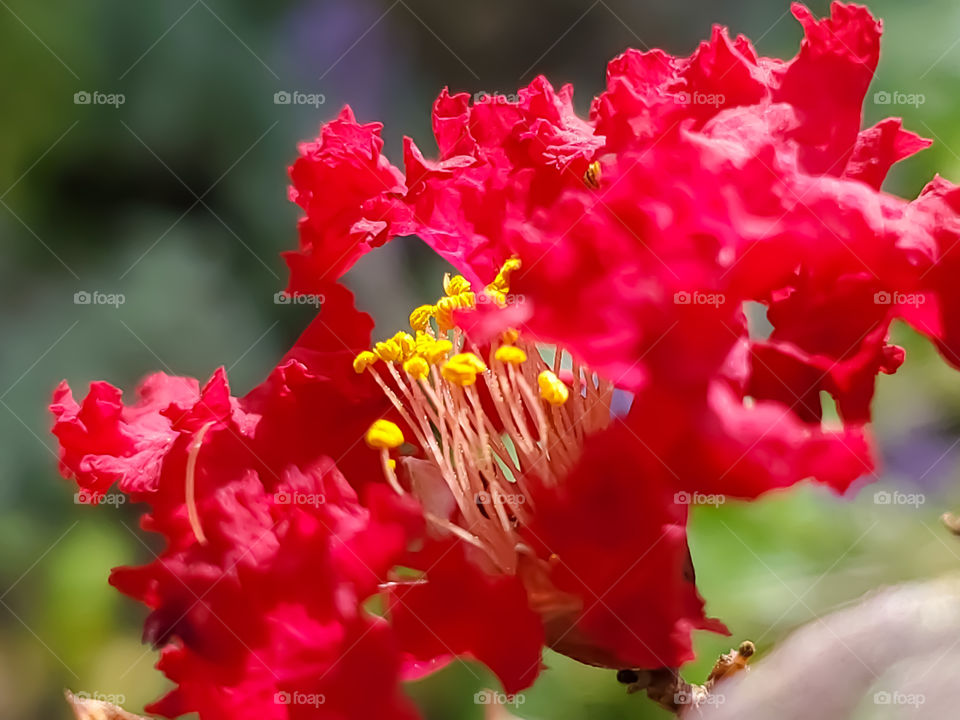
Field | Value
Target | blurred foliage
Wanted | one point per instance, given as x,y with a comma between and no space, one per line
177,199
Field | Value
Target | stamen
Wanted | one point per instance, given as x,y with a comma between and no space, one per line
591,177
552,388
488,420
193,452
420,318
462,369
510,354
384,435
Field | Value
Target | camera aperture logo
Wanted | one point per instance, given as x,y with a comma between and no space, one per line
95,297
489,697
298,97
299,698
96,97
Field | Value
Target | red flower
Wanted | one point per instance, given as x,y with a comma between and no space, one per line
350,194
520,499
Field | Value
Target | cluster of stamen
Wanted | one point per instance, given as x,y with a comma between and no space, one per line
488,421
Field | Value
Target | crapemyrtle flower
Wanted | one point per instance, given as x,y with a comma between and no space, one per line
514,472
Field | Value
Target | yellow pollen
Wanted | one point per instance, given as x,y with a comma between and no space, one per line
500,286
591,177
455,285
437,351
420,318
417,367
462,369
388,350
406,343
510,354
509,336
423,341
385,435
364,360
552,388
445,308
392,464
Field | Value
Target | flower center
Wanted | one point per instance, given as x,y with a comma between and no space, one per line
488,420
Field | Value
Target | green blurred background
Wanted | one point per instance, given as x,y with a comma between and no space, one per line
177,200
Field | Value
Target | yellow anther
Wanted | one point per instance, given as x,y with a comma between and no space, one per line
466,299
471,360
509,336
510,266
417,367
455,285
510,354
437,351
420,318
501,283
407,344
592,177
423,342
462,369
385,435
445,308
364,360
552,389
388,350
